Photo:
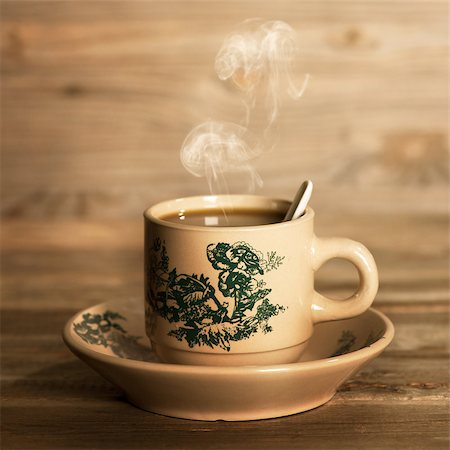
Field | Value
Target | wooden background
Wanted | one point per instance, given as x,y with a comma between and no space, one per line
97,98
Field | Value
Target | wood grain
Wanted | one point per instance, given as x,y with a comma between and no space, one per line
90,255
100,96
51,269
328,427
400,396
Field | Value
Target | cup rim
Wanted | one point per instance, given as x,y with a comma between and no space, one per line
149,213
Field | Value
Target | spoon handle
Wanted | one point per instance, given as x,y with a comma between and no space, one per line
300,201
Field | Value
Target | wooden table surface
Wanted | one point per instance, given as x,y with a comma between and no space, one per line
97,98
51,400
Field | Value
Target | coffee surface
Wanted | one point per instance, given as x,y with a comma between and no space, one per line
225,218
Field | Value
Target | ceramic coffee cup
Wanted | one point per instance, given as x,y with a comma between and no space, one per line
241,295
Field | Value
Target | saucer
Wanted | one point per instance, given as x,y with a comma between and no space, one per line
110,337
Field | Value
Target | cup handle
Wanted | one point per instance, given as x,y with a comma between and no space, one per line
324,249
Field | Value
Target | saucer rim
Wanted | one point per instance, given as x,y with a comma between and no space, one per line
361,354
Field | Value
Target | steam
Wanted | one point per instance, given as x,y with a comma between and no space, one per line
261,53
258,57
214,149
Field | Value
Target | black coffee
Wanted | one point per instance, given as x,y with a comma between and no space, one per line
225,218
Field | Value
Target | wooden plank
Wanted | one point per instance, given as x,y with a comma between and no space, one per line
117,425
53,395
85,261
418,335
93,104
125,202
120,275
399,396
429,233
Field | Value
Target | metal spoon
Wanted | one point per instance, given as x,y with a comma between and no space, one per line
301,199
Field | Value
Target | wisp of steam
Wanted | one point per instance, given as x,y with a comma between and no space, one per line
261,55
258,57
214,149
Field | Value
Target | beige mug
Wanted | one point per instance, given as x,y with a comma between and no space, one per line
241,295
